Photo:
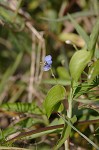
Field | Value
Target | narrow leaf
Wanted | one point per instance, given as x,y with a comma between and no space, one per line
80,30
85,137
74,15
54,96
59,81
94,36
65,134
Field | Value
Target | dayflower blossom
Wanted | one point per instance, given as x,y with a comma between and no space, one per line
47,62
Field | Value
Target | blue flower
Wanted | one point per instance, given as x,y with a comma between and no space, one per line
47,63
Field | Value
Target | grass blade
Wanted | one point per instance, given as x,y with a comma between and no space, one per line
94,36
74,15
79,29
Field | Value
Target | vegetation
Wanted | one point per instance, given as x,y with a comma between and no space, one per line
49,74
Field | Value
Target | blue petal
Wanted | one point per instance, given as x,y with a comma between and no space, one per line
47,58
49,62
46,67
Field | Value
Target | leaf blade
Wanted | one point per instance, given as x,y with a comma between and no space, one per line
55,95
66,133
94,36
78,62
75,129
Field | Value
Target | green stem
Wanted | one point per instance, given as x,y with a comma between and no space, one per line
53,76
85,137
69,114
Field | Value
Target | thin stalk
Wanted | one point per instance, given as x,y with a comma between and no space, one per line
73,44
53,76
69,115
49,128
85,137
69,112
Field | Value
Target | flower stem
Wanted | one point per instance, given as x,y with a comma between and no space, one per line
53,76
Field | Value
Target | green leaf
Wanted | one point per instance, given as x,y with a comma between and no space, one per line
94,71
63,73
22,107
74,15
78,62
65,134
63,82
87,101
59,107
79,29
54,96
85,137
96,53
94,37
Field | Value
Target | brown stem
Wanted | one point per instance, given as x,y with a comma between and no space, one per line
28,133
24,134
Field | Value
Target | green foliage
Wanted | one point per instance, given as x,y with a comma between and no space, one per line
22,107
65,134
10,71
78,63
70,124
63,73
94,36
54,96
59,80
22,80
80,30
74,15
93,71
21,41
